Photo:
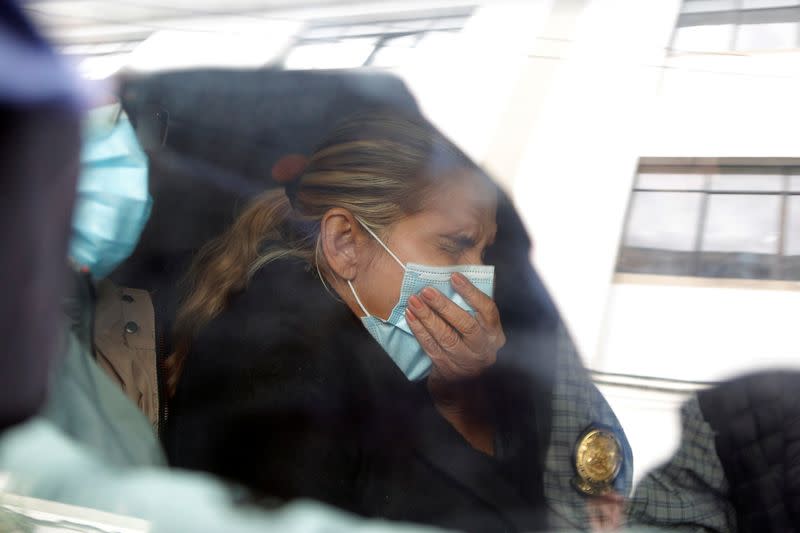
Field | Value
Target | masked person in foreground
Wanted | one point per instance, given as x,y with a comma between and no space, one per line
340,342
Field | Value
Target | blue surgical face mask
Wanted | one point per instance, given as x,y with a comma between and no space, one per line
113,202
394,334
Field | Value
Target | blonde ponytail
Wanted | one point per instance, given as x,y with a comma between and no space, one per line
223,267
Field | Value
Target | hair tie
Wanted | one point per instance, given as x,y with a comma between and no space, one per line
287,171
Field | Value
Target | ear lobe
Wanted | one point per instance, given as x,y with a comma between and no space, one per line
338,232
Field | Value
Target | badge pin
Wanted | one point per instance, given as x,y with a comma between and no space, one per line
598,460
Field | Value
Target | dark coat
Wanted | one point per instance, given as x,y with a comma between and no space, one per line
756,421
287,393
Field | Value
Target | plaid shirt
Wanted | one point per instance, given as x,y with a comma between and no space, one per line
688,493
577,405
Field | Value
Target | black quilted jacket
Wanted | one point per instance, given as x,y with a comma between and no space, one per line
757,424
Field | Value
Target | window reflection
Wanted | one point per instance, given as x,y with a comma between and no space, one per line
717,26
380,43
295,393
757,4
710,38
791,259
767,36
395,51
792,242
671,182
347,54
747,182
740,237
702,6
664,220
740,222
662,232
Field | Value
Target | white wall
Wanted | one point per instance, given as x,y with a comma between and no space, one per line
727,106
712,105
700,333
601,94
688,332
604,95
573,181
467,89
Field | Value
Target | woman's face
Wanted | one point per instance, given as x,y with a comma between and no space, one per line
455,229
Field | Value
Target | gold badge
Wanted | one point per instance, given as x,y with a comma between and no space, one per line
598,460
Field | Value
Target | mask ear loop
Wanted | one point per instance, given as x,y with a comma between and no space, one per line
352,289
402,265
355,295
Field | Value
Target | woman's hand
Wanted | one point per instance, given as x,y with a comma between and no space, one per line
460,345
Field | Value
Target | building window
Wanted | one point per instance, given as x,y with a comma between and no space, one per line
386,43
722,222
737,25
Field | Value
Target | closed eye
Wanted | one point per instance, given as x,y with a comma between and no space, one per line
465,242
457,245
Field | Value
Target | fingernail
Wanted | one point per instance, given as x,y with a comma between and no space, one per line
459,279
428,293
410,316
415,302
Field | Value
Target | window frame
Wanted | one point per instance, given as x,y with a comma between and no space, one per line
785,169
305,36
737,17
